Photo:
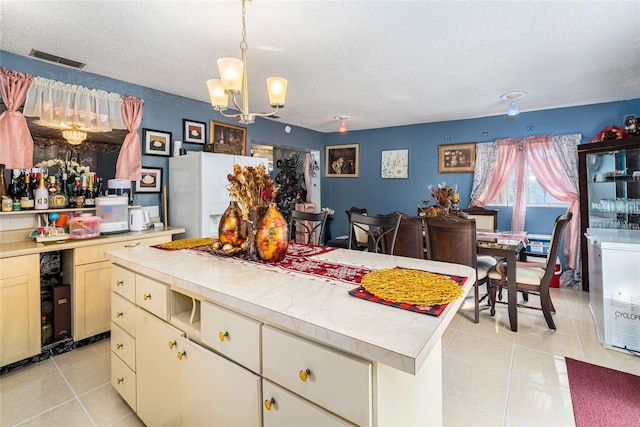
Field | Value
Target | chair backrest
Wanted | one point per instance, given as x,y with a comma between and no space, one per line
358,235
410,238
376,227
556,234
307,224
452,239
486,219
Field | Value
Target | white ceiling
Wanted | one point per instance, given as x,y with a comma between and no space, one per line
383,63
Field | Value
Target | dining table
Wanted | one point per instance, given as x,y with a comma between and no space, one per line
507,245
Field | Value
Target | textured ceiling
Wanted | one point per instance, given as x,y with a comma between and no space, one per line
383,63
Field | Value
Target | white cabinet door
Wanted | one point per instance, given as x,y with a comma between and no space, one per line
91,299
215,391
157,371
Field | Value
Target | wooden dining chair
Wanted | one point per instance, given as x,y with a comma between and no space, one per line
309,225
486,219
533,277
453,239
410,238
376,227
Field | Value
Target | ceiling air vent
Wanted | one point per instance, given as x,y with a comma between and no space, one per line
57,59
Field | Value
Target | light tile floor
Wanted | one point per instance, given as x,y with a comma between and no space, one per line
491,376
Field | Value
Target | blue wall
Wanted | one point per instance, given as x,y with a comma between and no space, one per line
164,111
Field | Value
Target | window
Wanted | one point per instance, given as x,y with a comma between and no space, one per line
538,196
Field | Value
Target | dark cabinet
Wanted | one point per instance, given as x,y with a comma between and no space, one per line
609,175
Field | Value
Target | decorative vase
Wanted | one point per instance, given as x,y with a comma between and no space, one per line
231,229
251,227
272,235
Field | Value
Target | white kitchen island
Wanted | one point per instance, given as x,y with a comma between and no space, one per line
257,345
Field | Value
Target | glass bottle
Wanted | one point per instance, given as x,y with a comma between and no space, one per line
90,193
26,198
16,189
7,201
64,189
41,195
46,329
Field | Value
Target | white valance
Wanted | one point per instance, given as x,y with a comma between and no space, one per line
66,104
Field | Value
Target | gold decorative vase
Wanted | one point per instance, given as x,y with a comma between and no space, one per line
272,235
231,229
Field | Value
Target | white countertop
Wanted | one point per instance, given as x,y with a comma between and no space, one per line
616,238
317,309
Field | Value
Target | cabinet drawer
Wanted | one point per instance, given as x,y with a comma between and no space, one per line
123,313
123,379
282,408
96,253
123,281
231,334
336,381
123,345
153,296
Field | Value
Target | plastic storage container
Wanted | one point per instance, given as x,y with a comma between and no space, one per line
114,213
84,227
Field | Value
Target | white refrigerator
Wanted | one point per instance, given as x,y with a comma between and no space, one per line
197,190
614,286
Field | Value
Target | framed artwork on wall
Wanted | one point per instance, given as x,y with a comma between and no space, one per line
156,142
194,132
151,181
395,164
457,158
226,139
342,161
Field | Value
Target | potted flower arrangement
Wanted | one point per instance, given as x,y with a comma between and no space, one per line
443,195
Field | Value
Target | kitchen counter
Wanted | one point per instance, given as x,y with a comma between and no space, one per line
312,307
28,247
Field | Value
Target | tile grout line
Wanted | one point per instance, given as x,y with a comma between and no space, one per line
506,400
74,393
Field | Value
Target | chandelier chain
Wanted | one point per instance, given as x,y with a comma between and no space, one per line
243,42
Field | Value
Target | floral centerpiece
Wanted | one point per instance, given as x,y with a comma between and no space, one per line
70,167
251,187
443,195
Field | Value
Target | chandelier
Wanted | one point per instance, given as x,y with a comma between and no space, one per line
233,81
74,136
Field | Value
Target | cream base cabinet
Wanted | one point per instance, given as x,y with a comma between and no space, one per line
215,391
158,370
19,308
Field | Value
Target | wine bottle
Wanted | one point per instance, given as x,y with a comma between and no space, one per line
41,195
7,202
90,194
26,198
16,189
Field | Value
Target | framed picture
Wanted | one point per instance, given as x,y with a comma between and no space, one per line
227,139
457,158
395,164
151,181
342,161
194,132
156,142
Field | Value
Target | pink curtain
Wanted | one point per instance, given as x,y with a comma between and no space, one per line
506,158
548,170
129,165
16,143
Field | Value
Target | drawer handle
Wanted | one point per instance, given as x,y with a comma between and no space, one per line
172,344
223,335
119,380
304,375
118,346
181,354
133,245
146,296
119,314
269,403
119,282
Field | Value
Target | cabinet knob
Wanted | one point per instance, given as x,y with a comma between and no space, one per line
119,380
304,375
119,282
223,335
182,354
118,346
146,296
172,344
269,403
119,314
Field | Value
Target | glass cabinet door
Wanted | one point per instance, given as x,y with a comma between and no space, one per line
614,189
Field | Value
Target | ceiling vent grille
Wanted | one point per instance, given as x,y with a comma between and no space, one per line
57,59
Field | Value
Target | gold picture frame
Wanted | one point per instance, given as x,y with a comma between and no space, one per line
342,161
227,139
457,158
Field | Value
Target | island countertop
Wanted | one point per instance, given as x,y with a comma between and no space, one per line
320,310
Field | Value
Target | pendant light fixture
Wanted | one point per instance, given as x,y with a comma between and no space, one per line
74,136
513,109
233,81
343,126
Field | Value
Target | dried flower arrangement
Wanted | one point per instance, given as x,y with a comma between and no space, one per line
251,187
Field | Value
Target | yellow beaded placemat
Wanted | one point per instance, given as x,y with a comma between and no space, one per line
187,243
